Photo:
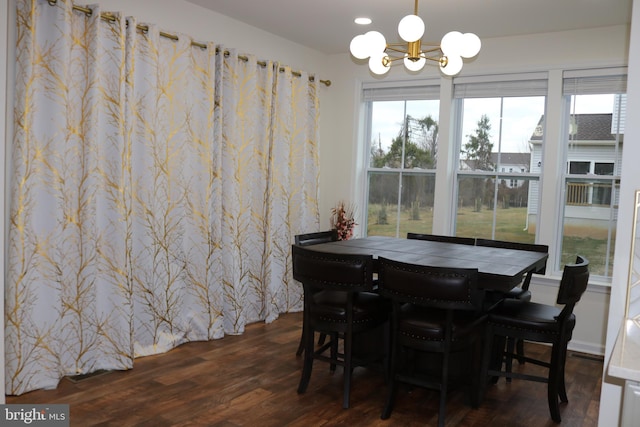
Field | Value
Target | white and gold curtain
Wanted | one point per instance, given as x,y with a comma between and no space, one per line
155,189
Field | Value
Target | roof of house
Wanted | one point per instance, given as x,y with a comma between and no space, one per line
511,158
585,127
516,159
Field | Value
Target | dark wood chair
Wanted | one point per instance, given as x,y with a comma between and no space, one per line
436,310
539,323
314,239
440,238
339,301
521,292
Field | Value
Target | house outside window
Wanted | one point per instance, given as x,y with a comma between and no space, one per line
594,148
496,120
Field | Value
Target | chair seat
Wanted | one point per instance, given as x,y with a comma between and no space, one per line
331,306
540,318
519,294
428,324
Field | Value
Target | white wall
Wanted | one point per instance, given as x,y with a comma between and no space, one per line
611,388
178,16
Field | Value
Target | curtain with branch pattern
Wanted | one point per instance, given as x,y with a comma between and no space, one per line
155,189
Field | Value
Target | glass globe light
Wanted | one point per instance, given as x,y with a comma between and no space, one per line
451,43
375,42
411,28
453,67
470,45
375,63
414,65
359,47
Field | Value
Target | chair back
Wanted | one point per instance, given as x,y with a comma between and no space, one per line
440,287
516,245
575,278
322,270
316,238
440,238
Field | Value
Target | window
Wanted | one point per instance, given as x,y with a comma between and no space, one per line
403,154
496,126
499,153
593,147
585,194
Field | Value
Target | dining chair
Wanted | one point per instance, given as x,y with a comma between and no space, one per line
520,292
339,301
317,237
442,238
435,310
307,239
539,323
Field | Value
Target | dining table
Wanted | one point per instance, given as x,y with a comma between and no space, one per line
499,269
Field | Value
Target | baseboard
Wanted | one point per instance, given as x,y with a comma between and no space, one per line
586,347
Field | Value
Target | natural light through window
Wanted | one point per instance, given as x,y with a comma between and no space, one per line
499,169
403,159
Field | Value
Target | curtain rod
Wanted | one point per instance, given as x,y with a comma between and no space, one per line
144,28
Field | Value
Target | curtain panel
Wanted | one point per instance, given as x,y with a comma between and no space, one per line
155,190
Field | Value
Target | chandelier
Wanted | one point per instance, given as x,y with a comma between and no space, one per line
453,47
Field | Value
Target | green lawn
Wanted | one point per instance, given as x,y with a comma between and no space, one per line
510,225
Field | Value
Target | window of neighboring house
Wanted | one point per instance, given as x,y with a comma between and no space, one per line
595,131
403,154
497,122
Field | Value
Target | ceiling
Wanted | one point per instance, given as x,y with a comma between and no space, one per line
327,25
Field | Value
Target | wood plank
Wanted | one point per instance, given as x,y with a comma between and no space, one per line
251,380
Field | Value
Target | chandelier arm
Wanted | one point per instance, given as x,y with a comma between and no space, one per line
390,59
402,48
434,58
433,49
393,47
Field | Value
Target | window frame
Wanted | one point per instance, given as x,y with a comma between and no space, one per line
422,90
602,81
552,164
501,87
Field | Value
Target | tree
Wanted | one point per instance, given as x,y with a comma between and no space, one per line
478,155
479,147
429,129
414,147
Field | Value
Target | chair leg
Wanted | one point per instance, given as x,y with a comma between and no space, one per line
508,362
300,344
562,390
322,338
520,351
391,398
335,337
554,382
308,360
392,383
476,372
443,389
496,360
487,358
348,369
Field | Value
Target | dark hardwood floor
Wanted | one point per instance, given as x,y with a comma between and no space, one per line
251,380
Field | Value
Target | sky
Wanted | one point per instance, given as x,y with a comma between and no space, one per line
520,115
